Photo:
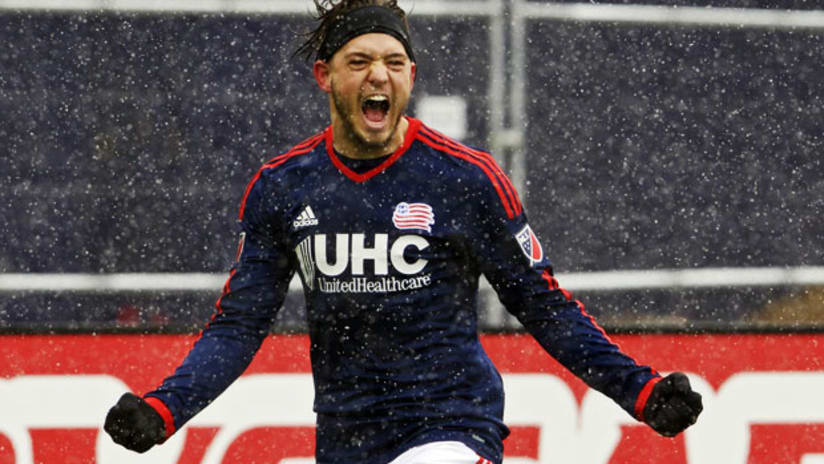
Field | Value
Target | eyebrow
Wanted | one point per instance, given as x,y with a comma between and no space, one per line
360,54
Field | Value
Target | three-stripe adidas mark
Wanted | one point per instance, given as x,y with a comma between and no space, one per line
306,218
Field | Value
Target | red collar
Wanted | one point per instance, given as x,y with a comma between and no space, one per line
411,131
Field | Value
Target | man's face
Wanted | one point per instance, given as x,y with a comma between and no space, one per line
370,80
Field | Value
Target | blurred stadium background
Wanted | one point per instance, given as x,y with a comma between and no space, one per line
669,154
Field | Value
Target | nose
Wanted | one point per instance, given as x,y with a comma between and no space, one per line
378,73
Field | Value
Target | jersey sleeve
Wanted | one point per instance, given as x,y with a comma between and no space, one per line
253,293
512,259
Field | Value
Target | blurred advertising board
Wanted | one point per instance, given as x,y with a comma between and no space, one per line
762,399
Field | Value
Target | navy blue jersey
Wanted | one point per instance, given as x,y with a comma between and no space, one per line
390,261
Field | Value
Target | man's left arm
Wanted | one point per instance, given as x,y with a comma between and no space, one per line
515,265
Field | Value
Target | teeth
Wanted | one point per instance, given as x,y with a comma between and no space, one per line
377,98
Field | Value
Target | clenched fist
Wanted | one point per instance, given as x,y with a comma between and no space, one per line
672,406
134,424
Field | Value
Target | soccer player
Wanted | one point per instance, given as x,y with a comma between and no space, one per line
390,225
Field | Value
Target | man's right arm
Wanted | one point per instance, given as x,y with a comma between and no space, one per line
245,312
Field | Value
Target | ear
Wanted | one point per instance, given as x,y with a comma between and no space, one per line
322,75
412,75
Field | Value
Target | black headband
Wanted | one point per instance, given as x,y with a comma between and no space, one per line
373,18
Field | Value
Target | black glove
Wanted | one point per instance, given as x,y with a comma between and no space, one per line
672,406
134,424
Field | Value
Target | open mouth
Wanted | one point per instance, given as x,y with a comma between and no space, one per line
375,108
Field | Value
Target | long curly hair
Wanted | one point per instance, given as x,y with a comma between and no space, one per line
328,12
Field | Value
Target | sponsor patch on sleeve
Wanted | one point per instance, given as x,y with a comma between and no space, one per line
530,245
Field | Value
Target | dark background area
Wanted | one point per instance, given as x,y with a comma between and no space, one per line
128,140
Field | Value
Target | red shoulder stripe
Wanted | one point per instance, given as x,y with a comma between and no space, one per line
481,154
474,160
300,149
513,193
310,141
487,158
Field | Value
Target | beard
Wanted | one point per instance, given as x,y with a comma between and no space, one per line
350,112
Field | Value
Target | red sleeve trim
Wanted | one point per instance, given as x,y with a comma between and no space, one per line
164,412
641,402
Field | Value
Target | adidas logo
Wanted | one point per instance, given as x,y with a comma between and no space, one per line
306,218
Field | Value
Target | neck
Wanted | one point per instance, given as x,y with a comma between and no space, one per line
350,145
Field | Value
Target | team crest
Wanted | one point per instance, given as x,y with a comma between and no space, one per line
530,245
413,216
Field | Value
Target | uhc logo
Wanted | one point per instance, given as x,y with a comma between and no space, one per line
370,266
